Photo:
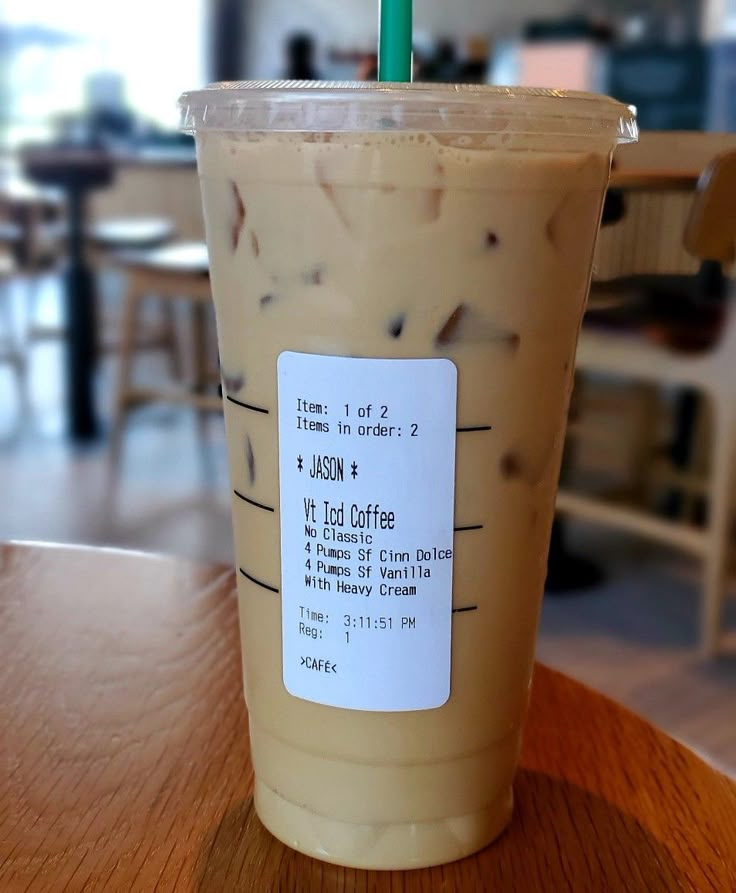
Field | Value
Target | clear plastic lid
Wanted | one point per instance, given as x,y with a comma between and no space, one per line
336,106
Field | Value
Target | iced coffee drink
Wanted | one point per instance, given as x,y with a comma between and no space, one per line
399,276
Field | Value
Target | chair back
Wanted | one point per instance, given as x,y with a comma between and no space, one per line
710,231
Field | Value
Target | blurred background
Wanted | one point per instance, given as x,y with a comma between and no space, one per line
110,419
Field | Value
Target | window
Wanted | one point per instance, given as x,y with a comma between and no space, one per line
153,50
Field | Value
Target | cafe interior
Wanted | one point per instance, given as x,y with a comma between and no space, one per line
111,426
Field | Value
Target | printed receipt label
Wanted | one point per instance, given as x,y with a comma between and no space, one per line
367,479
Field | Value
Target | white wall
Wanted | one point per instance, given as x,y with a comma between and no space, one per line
353,23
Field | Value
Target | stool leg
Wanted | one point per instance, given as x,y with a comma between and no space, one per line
20,362
31,328
16,353
693,497
720,496
199,345
647,399
122,400
171,338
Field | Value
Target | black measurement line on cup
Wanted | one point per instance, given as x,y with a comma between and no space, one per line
257,581
469,527
474,428
464,610
248,405
258,505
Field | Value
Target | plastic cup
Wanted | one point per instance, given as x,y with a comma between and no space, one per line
399,274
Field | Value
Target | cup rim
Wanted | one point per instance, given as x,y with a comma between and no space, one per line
359,106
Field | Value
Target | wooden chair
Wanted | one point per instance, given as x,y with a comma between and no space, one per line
177,272
38,251
12,351
710,235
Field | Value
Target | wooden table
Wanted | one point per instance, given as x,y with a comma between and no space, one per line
125,762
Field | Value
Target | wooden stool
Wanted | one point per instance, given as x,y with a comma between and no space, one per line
104,241
111,237
175,272
130,233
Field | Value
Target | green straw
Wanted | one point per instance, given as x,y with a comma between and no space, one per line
394,42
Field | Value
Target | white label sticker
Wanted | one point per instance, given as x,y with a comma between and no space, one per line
367,479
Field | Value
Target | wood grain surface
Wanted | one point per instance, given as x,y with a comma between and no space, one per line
124,761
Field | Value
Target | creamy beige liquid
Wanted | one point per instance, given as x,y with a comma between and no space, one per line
400,246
